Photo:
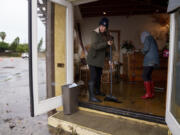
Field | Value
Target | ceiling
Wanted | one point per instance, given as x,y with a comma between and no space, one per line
123,7
95,8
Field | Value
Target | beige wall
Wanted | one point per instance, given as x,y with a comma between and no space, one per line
130,28
59,47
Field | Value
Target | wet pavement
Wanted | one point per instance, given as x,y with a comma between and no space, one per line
15,116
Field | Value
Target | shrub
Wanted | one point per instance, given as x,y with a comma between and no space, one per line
4,46
22,48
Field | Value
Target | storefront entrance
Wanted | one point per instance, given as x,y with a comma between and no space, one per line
128,88
127,84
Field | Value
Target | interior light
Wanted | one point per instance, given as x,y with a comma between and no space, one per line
104,13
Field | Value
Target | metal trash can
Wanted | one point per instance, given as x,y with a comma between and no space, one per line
70,98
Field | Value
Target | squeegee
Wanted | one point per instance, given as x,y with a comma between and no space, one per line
110,97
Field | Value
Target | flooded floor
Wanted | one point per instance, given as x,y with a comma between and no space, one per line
130,96
15,116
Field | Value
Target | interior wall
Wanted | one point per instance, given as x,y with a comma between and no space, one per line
130,27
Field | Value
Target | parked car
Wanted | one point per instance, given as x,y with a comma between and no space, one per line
24,55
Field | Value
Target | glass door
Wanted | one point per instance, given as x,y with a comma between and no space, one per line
51,53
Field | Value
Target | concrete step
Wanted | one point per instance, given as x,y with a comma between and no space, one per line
99,123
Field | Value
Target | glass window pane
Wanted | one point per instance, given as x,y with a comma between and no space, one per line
41,48
51,48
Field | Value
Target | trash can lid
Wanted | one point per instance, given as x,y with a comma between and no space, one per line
73,85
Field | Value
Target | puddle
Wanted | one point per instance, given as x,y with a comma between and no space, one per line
17,73
7,120
8,67
5,77
8,76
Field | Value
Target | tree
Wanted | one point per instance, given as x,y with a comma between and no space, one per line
16,41
3,46
14,44
22,48
40,44
2,36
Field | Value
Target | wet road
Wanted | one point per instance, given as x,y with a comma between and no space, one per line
15,103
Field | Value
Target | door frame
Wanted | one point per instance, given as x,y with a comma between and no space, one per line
38,107
172,123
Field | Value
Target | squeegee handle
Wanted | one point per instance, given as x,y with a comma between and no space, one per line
111,69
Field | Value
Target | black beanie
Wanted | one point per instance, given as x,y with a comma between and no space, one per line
105,22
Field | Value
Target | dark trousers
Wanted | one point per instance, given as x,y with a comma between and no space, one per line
95,76
147,73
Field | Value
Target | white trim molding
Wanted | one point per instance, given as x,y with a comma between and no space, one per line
69,45
172,123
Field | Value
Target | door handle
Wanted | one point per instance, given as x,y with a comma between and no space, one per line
61,65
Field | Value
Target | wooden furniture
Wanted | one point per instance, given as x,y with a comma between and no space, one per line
106,73
133,68
84,75
105,78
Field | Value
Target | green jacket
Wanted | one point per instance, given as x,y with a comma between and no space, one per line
96,53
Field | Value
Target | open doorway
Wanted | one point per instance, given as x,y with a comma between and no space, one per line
128,19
